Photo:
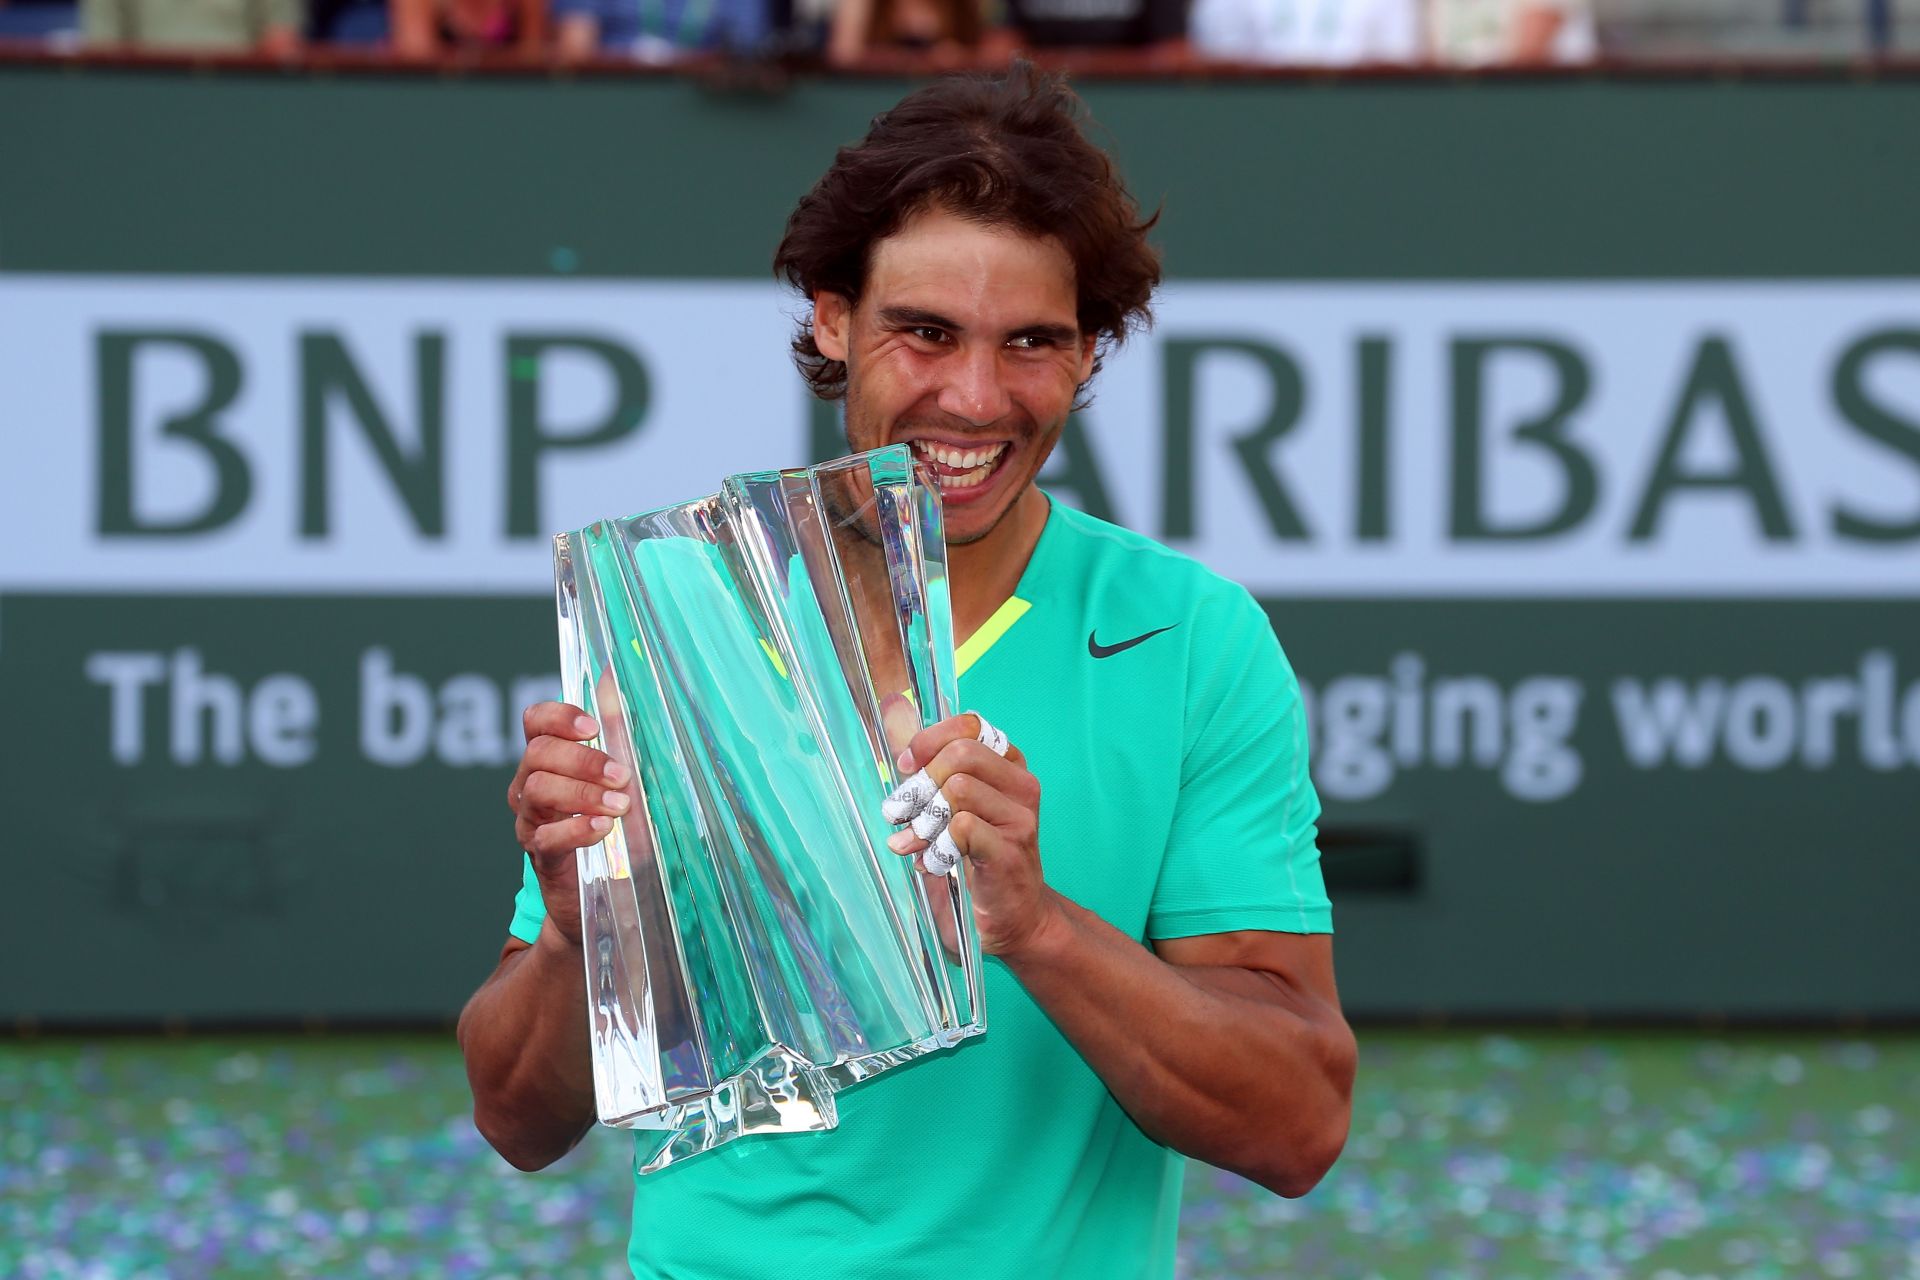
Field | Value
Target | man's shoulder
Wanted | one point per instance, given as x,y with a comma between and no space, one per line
1111,558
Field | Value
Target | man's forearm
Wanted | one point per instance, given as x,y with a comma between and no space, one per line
524,1035
1228,1065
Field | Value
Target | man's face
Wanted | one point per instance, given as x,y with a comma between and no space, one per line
967,347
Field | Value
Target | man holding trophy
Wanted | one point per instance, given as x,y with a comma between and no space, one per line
1159,962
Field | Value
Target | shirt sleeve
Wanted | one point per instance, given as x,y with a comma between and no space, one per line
1241,852
529,907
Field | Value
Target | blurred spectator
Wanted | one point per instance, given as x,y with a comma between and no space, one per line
943,30
428,28
1157,25
1478,33
361,22
658,30
55,21
1333,33
266,26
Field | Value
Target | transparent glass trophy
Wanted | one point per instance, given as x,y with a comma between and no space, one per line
759,658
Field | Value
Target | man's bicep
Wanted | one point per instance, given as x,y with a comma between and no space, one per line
1283,983
1299,961
1289,972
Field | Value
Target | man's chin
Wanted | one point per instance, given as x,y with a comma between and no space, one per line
969,524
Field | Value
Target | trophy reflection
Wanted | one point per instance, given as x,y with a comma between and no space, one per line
758,659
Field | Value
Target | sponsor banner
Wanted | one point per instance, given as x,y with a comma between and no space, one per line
1528,735
389,435
247,806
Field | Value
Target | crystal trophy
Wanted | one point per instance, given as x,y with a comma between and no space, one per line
759,658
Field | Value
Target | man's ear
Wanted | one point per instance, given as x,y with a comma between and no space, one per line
832,320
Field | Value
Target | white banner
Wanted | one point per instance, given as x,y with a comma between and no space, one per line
1411,439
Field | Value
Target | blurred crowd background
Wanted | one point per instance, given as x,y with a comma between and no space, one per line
890,34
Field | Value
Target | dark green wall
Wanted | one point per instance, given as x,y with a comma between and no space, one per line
1302,180
342,889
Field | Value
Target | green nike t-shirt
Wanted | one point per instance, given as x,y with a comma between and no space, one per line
1164,724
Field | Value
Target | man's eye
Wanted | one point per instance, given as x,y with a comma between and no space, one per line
1031,342
926,333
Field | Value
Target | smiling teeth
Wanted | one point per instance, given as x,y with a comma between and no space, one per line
968,460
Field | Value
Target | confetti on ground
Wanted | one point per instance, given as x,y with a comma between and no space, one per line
1556,1156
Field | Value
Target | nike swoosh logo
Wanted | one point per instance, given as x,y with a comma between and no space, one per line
1099,650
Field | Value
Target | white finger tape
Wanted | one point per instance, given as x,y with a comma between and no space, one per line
909,798
933,819
994,740
942,856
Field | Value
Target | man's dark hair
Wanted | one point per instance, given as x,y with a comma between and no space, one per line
1005,151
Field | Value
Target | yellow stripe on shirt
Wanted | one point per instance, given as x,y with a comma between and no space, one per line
991,630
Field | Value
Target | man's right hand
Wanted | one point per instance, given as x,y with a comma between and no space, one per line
564,796
524,1033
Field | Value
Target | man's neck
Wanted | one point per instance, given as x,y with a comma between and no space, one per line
984,573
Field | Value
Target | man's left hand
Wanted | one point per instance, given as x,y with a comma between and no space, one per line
996,824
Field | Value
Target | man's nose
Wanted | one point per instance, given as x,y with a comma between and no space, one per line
973,389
